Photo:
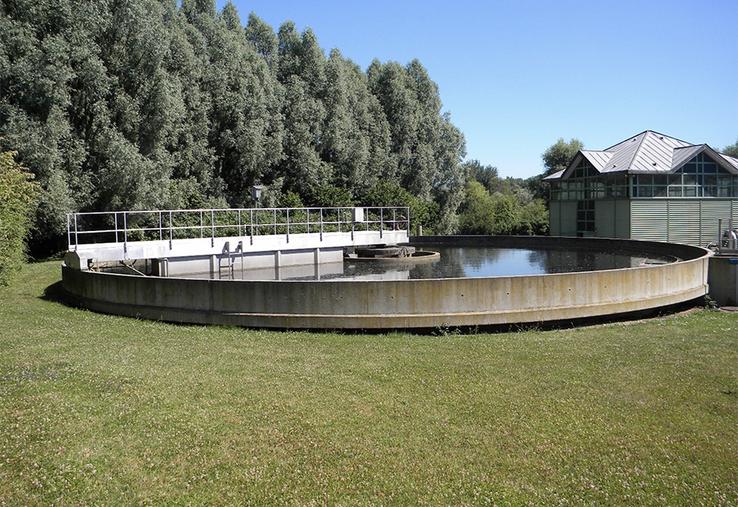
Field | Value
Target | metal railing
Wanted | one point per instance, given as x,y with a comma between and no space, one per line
168,225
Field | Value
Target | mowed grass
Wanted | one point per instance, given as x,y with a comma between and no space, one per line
98,409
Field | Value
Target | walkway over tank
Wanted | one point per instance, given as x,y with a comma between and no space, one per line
118,236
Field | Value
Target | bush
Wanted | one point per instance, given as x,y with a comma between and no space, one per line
18,195
391,194
501,213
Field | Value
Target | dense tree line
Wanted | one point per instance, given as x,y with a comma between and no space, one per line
140,104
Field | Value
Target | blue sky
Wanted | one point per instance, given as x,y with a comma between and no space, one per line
517,74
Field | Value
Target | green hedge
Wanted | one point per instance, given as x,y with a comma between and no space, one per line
18,194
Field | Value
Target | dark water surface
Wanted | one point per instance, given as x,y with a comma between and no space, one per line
460,262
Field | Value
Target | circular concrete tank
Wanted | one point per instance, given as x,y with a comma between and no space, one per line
414,303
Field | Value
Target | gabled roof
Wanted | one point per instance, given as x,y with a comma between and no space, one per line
648,153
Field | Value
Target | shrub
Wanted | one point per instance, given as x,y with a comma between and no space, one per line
18,197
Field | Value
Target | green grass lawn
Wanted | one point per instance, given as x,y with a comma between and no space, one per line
111,410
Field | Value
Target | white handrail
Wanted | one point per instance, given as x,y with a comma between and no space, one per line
94,226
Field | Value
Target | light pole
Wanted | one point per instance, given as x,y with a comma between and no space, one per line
256,194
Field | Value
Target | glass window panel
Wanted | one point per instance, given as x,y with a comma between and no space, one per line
709,191
690,191
675,191
645,191
690,179
659,191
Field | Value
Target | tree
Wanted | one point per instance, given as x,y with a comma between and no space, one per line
732,150
172,104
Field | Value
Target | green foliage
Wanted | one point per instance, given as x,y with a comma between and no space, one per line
146,104
422,212
732,150
508,212
18,195
330,196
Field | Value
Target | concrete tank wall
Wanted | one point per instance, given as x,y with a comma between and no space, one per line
354,304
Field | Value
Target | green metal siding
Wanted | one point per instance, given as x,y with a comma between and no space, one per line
684,221
605,218
568,214
648,220
710,213
622,218
554,218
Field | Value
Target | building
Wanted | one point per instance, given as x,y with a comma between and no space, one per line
650,187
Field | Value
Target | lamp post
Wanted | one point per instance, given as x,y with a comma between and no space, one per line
256,194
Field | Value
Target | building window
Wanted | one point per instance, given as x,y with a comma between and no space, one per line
585,218
700,177
586,183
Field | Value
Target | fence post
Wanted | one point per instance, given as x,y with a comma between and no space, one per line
381,222
69,233
125,232
76,234
212,228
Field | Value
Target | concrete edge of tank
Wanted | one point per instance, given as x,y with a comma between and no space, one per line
407,303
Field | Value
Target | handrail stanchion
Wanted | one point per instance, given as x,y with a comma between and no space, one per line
338,218
307,219
161,233
381,222
201,226
115,220
69,233
170,230
76,234
125,232
240,232
394,219
288,225
274,220
212,228
321,224
251,220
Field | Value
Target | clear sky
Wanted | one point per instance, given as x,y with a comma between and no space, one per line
518,74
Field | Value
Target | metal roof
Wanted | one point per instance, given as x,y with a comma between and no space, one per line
648,152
